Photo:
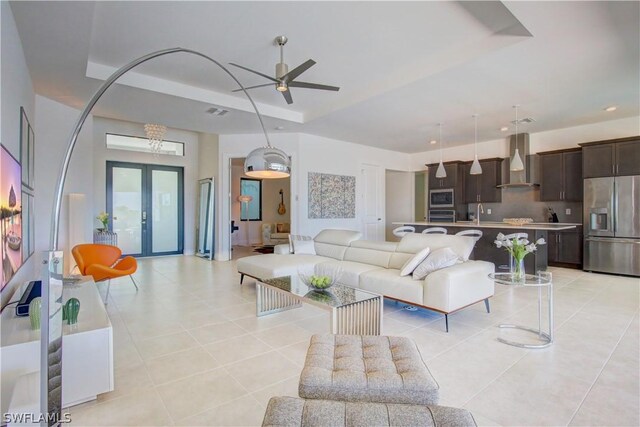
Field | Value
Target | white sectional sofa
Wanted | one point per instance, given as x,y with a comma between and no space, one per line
375,266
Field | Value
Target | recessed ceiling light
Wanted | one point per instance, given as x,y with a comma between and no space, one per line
611,108
504,129
279,128
433,141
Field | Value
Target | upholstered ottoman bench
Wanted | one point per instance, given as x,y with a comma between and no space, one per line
358,368
293,411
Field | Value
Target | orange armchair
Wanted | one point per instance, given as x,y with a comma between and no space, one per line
101,262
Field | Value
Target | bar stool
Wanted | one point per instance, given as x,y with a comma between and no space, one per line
476,234
403,231
434,230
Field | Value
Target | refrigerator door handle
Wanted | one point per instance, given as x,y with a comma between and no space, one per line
615,207
612,240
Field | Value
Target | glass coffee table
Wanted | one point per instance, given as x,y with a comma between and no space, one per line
353,311
541,280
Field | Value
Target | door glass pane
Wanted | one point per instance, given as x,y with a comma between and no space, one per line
127,209
165,211
252,209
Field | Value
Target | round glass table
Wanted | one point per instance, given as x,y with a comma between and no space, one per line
541,280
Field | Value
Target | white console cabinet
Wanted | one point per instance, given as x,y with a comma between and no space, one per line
87,348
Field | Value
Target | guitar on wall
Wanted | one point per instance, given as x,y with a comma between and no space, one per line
281,207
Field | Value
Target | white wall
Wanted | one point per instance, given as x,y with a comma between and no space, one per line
309,153
16,90
207,155
400,200
189,161
542,141
54,124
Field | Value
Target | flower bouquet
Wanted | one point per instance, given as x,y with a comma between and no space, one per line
103,217
518,248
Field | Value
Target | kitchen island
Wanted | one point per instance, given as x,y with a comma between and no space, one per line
485,248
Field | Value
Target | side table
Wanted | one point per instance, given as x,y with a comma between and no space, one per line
540,280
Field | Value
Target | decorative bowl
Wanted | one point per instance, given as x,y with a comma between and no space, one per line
321,279
517,221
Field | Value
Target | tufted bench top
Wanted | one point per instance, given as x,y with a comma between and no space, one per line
367,369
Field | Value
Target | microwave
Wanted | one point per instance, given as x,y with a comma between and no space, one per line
441,198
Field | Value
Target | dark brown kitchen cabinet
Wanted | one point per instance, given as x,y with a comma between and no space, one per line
561,175
450,181
615,157
564,248
483,187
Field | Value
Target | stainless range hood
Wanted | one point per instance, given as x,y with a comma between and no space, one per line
526,177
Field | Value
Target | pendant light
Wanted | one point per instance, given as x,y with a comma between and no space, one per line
476,169
516,161
440,172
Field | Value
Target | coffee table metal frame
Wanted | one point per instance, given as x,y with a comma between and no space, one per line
541,280
357,318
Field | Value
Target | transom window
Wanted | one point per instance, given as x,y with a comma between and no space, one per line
135,143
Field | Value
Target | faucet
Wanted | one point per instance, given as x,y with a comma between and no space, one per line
480,209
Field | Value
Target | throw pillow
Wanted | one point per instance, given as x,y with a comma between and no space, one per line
440,258
304,247
294,237
413,262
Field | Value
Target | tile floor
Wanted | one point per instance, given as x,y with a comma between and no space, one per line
190,351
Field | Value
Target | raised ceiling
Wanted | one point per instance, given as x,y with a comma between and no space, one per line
402,67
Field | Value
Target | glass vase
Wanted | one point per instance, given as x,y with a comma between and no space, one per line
517,269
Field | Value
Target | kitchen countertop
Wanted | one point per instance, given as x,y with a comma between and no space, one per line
548,226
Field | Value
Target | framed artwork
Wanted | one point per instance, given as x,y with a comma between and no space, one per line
332,196
11,238
27,150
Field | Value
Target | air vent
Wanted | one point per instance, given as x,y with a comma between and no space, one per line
523,121
215,111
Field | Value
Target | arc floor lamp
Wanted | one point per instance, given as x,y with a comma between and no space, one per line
265,162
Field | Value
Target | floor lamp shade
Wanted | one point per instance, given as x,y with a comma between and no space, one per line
267,162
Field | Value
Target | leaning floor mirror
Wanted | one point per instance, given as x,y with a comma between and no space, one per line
205,218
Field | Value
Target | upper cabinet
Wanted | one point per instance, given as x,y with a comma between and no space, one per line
615,157
450,181
561,175
483,187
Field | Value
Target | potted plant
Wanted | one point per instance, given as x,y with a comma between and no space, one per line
519,248
103,217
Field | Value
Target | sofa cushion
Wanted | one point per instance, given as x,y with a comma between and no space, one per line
440,258
388,282
415,261
366,368
274,265
414,242
337,237
284,236
351,271
304,247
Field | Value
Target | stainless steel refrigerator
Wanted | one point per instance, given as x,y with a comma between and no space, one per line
612,225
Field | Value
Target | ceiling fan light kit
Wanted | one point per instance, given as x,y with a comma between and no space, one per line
285,79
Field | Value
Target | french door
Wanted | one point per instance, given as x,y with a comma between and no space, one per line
146,208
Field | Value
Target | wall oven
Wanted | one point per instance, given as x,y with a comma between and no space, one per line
442,215
441,198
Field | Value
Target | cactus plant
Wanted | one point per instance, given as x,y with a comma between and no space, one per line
34,312
72,308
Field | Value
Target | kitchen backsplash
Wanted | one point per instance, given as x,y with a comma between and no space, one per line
525,203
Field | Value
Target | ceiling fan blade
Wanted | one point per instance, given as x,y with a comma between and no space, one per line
287,96
254,72
253,87
291,75
313,86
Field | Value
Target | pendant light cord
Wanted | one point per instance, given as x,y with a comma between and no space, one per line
475,135
440,136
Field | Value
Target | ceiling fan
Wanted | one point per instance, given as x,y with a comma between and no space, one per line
284,78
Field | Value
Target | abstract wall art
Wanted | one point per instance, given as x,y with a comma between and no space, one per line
331,196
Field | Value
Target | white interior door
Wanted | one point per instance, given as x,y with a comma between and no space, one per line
373,202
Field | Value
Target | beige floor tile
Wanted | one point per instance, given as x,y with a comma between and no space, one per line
178,365
288,387
128,379
145,409
166,344
237,348
216,332
264,370
200,392
245,412
297,352
283,335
